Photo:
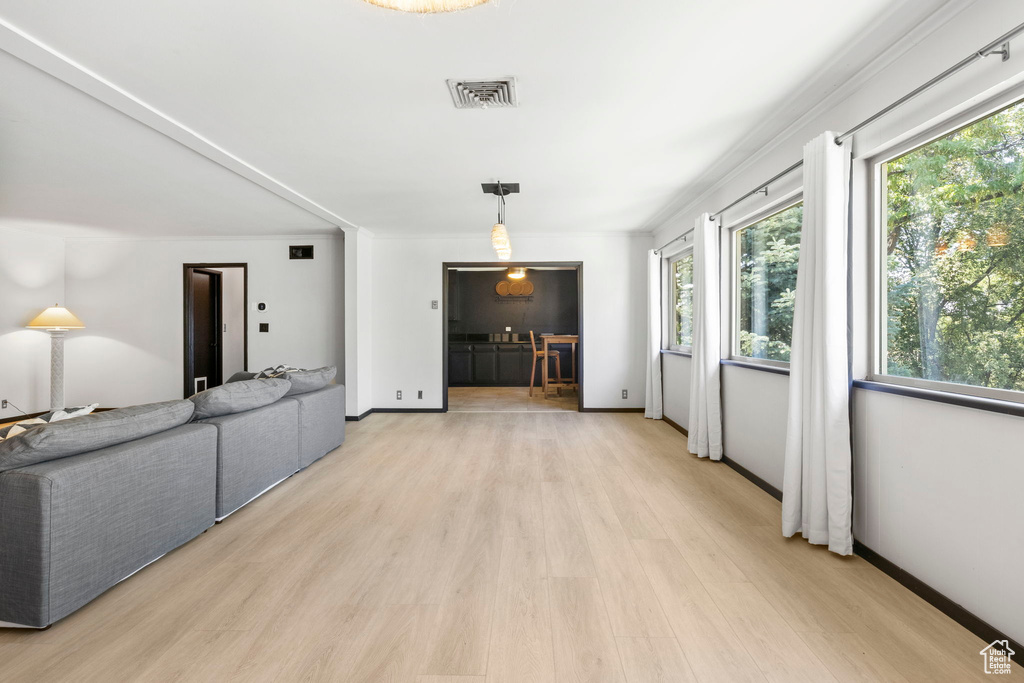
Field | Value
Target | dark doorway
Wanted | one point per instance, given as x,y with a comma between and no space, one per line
204,310
488,352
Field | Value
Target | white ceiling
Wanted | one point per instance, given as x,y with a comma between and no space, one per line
623,106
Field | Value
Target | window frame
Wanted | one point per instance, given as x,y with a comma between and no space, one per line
878,305
782,204
668,307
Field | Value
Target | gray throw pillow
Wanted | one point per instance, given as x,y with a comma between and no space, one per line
237,397
241,376
305,381
91,432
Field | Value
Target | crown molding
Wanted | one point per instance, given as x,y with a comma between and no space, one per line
485,235
34,52
201,238
766,139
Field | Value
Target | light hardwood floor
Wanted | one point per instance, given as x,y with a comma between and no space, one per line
508,400
503,547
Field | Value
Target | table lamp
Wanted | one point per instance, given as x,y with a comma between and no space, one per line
57,320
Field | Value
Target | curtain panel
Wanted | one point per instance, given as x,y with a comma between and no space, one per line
705,382
817,484
653,402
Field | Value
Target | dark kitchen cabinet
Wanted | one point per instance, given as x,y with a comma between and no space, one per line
485,364
510,364
460,364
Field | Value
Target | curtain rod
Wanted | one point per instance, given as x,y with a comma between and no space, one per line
989,49
674,240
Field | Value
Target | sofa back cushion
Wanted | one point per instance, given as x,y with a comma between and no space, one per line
237,397
305,381
91,432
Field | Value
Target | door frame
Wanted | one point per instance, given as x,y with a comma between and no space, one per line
187,327
447,265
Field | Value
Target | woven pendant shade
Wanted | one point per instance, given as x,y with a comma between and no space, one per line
427,6
500,241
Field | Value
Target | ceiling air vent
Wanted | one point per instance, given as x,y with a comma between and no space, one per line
484,94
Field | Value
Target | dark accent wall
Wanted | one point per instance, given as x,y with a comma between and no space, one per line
475,308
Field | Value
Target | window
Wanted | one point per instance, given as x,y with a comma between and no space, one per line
767,253
952,259
681,302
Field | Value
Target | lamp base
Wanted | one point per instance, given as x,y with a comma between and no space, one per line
56,369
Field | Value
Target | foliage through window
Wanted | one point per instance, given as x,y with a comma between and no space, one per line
681,275
954,265
767,256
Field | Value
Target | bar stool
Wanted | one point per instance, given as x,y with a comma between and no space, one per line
541,356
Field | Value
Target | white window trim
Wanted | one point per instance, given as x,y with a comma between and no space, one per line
668,286
878,304
783,203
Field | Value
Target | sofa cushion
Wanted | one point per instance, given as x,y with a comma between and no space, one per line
20,426
279,371
241,376
91,432
238,397
305,381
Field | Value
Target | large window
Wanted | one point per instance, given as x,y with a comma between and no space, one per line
767,253
681,303
953,267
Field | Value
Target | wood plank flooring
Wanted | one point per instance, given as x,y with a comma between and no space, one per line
508,399
506,547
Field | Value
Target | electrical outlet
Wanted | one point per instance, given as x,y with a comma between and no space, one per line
399,394
3,404
420,394
508,329
433,304
625,394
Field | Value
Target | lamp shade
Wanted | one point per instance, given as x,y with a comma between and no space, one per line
500,241
56,318
427,6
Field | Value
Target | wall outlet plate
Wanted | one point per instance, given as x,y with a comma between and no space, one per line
3,404
625,394
399,394
508,329
433,304
420,394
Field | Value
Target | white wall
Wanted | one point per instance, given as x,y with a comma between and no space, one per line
31,279
675,371
934,484
129,294
407,333
233,303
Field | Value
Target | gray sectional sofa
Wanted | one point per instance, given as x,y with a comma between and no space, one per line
89,501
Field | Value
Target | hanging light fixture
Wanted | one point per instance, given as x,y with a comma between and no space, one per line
427,6
499,234
516,273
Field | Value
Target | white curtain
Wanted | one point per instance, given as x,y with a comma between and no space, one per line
653,403
817,487
705,376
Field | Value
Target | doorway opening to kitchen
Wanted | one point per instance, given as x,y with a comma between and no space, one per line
513,336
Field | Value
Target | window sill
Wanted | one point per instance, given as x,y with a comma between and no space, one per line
673,352
756,366
991,405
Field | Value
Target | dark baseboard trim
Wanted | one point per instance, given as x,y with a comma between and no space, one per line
408,410
675,425
991,405
611,410
357,418
954,611
756,480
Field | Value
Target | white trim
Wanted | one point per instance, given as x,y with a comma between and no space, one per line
326,236
220,519
45,58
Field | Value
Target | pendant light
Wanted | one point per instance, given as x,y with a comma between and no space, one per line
499,234
427,6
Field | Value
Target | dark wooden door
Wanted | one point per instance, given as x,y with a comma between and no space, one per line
203,330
